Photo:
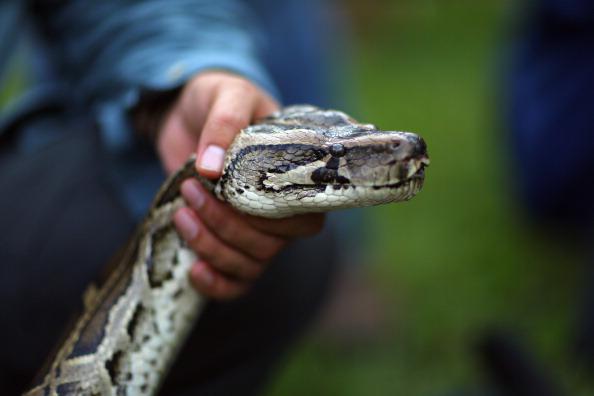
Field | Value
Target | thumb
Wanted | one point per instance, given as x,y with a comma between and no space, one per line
233,109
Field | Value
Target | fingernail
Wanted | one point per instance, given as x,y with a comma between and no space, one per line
186,224
213,158
203,273
192,193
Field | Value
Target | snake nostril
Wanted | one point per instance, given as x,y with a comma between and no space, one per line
420,147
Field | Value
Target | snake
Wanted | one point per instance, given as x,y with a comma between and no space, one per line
300,159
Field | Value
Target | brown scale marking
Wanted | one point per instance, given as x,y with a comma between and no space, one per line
132,326
93,330
113,365
155,283
156,279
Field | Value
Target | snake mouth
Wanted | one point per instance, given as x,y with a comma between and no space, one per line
418,176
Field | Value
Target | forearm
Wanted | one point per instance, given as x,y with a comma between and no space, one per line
113,51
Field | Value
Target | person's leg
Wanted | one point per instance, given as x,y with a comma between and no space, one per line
62,222
551,97
60,225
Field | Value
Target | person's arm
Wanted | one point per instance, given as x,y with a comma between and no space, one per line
233,248
112,51
116,50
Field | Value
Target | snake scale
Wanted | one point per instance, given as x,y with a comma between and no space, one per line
301,159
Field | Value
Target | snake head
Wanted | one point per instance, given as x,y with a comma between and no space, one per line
304,159
378,161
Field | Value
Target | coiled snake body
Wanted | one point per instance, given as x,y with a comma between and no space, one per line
302,159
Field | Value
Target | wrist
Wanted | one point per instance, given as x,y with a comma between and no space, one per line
149,114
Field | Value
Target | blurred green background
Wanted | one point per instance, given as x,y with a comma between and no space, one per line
458,259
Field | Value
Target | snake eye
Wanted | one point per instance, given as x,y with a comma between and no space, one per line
337,150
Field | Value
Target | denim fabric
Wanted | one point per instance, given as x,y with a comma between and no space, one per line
106,53
551,111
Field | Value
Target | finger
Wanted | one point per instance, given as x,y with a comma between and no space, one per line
291,227
230,112
265,106
213,284
228,225
221,257
174,143
201,92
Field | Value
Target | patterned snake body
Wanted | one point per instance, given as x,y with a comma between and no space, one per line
302,159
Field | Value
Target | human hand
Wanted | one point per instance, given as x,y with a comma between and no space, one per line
233,248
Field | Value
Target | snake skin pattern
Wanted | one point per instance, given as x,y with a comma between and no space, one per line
301,159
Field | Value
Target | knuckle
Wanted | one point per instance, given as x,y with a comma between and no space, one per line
186,224
216,219
205,246
225,230
230,120
227,226
205,250
243,85
224,258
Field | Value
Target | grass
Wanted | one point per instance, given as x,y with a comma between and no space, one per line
457,259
